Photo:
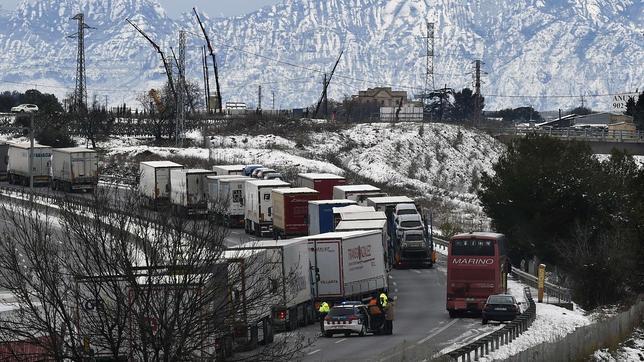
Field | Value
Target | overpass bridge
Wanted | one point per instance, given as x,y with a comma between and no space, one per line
601,141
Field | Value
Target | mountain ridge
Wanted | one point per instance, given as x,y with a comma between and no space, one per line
530,47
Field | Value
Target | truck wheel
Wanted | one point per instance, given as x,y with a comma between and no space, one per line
484,321
452,313
328,334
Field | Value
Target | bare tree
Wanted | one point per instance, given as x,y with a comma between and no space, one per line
120,281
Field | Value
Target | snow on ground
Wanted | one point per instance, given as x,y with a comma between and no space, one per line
268,157
630,350
552,323
437,161
638,159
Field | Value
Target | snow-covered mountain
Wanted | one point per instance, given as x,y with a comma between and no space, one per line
530,47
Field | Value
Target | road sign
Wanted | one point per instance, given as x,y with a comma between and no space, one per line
619,101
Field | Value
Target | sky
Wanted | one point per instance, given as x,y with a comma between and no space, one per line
176,7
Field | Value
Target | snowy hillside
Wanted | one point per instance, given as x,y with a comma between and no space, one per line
530,47
437,163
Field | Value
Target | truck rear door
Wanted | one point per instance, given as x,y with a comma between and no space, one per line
325,256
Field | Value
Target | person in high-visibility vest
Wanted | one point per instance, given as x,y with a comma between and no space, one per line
383,300
323,311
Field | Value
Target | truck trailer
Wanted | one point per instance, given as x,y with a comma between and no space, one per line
74,169
229,170
154,181
189,191
4,159
358,193
321,182
231,196
375,224
321,215
348,265
215,200
258,205
405,250
288,269
18,166
291,210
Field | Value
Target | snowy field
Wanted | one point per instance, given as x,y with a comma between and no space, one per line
630,350
436,162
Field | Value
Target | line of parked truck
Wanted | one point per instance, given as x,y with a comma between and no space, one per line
331,241
65,169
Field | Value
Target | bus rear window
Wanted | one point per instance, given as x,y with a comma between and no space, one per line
473,247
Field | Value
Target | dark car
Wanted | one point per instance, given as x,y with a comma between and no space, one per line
500,307
346,319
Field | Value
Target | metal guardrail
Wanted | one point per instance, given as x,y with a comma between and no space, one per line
440,242
585,134
500,337
117,180
562,294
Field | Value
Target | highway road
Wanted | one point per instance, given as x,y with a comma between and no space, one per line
422,327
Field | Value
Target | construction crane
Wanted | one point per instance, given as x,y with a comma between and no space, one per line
166,65
326,85
214,61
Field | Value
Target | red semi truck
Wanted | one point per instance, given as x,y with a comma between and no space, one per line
291,210
321,182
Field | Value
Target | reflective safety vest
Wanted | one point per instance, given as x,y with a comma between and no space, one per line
324,307
383,300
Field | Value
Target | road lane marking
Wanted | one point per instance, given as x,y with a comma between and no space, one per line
395,284
396,290
313,352
440,330
416,271
340,341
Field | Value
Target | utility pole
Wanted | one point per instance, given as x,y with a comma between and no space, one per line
273,96
80,91
477,91
181,104
106,103
31,152
429,67
259,99
325,97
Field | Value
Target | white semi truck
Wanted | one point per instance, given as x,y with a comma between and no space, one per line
347,265
279,271
189,191
259,206
18,166
357,193
154,180
74,169
230,198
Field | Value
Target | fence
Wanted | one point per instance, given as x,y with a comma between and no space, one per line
582,134
500,337
579,344
562,294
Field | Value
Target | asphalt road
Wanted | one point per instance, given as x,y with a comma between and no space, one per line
422,327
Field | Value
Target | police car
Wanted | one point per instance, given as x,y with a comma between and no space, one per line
347,318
